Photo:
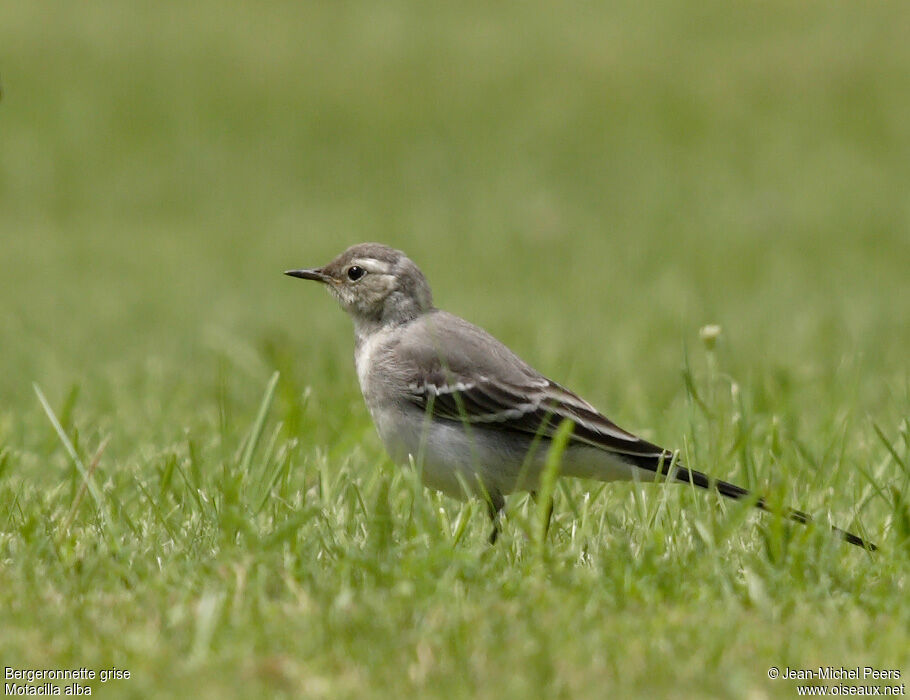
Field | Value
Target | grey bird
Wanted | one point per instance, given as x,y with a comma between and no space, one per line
473,415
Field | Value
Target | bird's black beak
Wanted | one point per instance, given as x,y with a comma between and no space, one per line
315,274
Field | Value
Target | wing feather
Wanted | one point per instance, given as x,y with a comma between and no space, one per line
535,408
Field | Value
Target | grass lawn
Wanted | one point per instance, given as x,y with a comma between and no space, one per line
591,183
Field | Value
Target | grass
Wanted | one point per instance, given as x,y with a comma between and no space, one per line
195,493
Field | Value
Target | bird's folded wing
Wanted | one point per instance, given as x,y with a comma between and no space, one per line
536,407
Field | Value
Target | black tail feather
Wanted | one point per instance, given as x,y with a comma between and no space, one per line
685,475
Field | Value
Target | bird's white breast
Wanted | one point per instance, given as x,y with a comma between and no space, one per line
365,356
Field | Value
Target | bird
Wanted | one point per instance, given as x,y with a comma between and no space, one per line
477,419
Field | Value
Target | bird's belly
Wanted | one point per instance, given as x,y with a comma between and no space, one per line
454,459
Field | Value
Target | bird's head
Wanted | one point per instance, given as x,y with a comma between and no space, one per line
375,284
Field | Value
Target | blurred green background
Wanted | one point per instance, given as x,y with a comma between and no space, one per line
591,182
582,179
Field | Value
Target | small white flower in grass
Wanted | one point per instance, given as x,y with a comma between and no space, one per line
709,335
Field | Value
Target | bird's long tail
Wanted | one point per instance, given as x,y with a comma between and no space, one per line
725,488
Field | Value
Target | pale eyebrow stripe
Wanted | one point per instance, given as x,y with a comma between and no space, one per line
372,265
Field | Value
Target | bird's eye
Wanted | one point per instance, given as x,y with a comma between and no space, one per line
355,273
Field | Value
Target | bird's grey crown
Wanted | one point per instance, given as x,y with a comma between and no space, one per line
373,251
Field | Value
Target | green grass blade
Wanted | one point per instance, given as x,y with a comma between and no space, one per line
259,423
89,480
548,481
902,463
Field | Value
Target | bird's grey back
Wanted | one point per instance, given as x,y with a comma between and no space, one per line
440,342
439,347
